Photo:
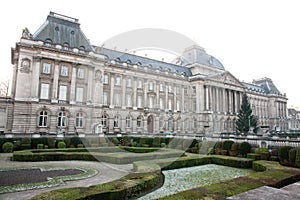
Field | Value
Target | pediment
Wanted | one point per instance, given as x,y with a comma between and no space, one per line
226,78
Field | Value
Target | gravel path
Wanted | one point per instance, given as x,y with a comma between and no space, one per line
107,173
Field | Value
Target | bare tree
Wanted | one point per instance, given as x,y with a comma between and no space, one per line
4,88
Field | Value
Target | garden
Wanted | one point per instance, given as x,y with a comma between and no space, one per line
180,168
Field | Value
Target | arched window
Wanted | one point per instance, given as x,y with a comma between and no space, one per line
79,120
128,122
139,122
62,119
117,121
43,117
104,121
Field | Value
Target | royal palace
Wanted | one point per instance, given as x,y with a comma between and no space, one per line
63,84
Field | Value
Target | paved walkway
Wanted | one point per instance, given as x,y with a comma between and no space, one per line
289,192
106,173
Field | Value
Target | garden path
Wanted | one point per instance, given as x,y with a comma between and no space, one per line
107,173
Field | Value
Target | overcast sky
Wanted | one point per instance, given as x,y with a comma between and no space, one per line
253,39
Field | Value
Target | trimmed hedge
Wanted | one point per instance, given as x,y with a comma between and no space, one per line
128,187
297,162
244,148
258,166
253,156
283,154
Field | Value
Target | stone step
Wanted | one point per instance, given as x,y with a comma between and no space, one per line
266,193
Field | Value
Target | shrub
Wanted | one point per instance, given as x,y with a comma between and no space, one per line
134,144
226,145
75,141
265,155
297,162
283,154
51,143
115,141
163,145
8,147
244,148
218,148
40,146
274,152
292,156
261,150
224,152
156,142
26,140
61,145
68,142
125,141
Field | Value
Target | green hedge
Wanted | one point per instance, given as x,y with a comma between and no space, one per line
283,154
8,147
128,187
253,156
258,166
297,162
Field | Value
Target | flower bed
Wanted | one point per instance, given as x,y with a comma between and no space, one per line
51,182
188,178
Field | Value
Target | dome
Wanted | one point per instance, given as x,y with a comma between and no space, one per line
197,54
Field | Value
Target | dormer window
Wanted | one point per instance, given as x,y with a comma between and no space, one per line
66,46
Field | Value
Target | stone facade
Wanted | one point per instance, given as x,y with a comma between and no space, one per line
61,83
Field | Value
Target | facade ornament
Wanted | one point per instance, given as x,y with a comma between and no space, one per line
26,34
98,76
25,66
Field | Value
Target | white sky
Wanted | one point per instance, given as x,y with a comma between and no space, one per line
253,39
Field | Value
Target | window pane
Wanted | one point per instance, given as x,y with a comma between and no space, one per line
117,99
105,79
139,101
105,98
128,83
139,84
64,71
46,68
44,91
118,81
80,73
128,100
79,94
43,118
63,92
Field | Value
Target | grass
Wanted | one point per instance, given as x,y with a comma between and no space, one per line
275,176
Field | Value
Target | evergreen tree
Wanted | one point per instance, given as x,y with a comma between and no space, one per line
245,117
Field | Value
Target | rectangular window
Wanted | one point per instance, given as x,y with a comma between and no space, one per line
128,100
44,91
178,105
170,88
161,103
151,103
178,90
46,68
151,86
139,101
118,80
80,73
194,105
161,87
105,98
79,94
185,91
139,84
105,79
63,92
64,71
194,89
170,104
128,83
117,99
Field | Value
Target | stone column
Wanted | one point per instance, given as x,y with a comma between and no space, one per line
55,82
217,100
123,86
73,84
206,97
35,82
134,86
90,85
112,85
